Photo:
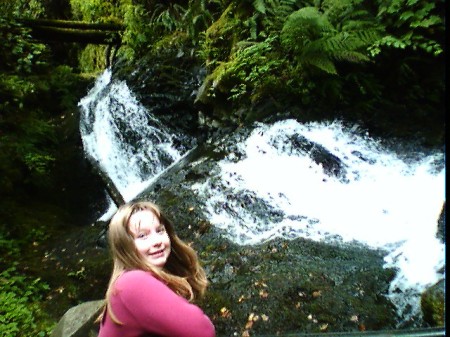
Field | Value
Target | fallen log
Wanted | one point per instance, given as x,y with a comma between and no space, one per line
110,187
87,36
74,31
72,24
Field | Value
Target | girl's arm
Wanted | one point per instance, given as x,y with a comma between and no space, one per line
157,309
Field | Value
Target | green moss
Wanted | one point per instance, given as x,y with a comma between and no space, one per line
433,305
220,38
92,59
172,42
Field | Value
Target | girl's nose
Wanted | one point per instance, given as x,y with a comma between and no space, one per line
156,240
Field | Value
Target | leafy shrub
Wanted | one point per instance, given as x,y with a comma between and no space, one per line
412,24
19,309
20,295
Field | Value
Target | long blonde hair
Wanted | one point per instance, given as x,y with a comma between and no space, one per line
182,272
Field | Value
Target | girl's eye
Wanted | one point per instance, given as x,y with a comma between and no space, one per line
141,235
161,229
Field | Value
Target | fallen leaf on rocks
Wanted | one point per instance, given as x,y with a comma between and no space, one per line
242,298
323,327
225,312
260,284
263,293
245,334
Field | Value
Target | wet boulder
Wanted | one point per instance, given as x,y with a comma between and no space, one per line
79,321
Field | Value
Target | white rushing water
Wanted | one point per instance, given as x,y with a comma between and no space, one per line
385,201
130,144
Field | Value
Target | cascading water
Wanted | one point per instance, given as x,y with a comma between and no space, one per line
367,194
129,143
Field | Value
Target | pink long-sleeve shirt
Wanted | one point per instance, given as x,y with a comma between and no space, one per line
147,307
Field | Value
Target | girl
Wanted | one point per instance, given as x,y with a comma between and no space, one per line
155,277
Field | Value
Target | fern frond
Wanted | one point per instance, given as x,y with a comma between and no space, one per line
276,12
322,62
352,40
303,27
313,39
253,27
353,25
350,56
368,36
260,6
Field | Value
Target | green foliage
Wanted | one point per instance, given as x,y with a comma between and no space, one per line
28,132
96,10
170,44
167,17
411,24
21,294
288,49
271,14
149,28
251,67
63,85
37,162
18,53
20,313
433,304
19,310
27,143
14,89
8,248
92,59
329,55
197,18
136,35
79,274
27,137
219,39
313,39
22,8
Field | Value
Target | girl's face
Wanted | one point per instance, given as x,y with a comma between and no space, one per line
150,237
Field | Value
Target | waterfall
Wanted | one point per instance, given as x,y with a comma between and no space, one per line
129,143
369,194
366,192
